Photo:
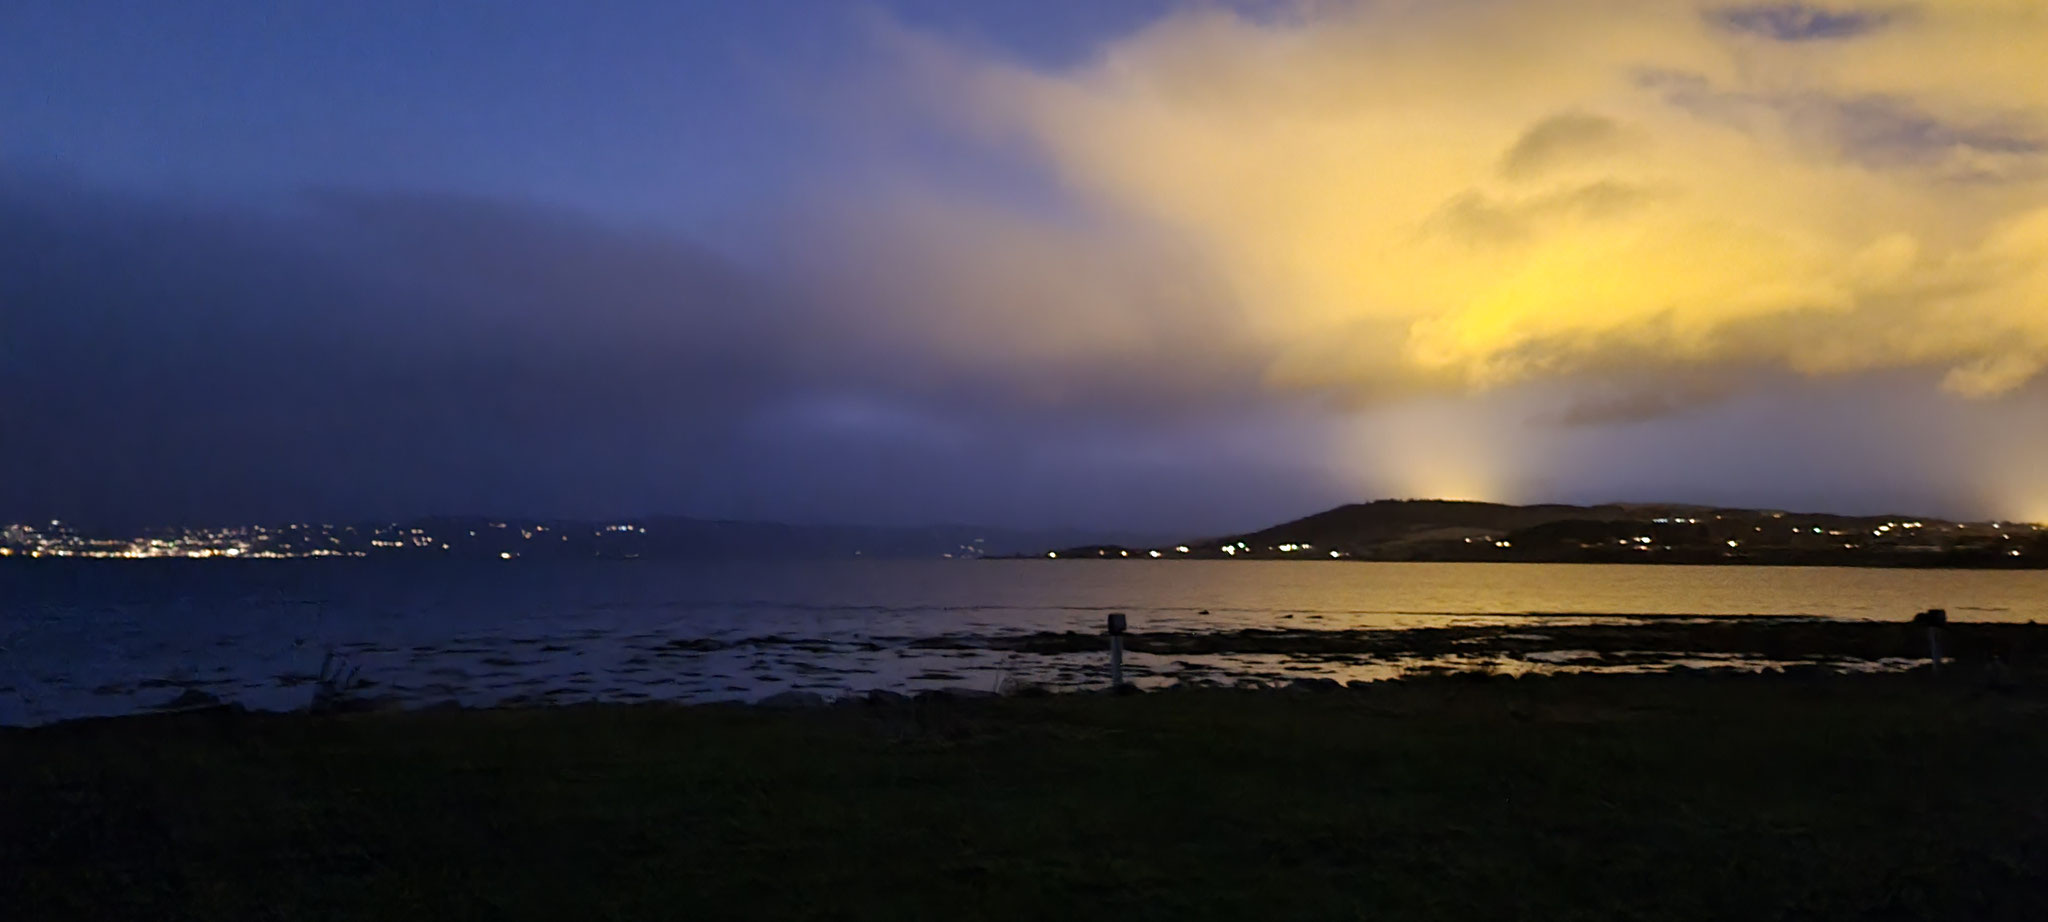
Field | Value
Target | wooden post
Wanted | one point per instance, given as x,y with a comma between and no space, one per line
1116,651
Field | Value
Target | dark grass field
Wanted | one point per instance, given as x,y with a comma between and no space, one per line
1885,797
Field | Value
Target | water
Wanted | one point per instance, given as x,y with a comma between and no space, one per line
81,638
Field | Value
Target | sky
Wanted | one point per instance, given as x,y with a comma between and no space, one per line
1149,265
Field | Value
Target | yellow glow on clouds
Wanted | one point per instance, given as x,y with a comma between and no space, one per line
1424,450
1403,196
2011,479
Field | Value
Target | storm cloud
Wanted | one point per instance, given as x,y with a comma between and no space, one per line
366,354
1199,268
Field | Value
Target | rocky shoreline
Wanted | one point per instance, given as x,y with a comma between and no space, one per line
785,671
1996,655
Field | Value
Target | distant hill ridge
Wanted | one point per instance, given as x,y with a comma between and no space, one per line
1454,530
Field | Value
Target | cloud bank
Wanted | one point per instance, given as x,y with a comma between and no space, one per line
352,354
1393,197
1235,265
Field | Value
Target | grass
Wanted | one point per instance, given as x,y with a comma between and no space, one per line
1591,797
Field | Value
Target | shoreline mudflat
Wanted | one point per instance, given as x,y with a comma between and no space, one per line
1666,796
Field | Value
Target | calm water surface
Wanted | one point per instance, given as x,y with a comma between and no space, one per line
89,637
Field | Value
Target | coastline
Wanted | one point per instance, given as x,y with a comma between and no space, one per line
1192,651
1845,562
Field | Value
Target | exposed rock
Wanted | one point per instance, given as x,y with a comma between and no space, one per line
953,693
364,704
192,699
1998,676
793,699
1014,687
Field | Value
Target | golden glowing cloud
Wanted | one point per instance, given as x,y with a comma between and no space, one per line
1401,195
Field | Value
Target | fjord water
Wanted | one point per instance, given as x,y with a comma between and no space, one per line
102,637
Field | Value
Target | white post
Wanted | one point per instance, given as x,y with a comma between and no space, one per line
1936,619
1116,651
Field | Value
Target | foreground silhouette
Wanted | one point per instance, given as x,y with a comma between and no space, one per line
1649,797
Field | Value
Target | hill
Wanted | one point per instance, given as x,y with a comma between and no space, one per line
1447,530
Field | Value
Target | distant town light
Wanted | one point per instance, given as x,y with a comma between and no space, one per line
1183,548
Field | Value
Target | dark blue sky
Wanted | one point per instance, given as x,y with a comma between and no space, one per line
1019,262
678,112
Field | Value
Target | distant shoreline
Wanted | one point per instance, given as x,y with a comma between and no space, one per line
2018,565
1616,533
26,562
